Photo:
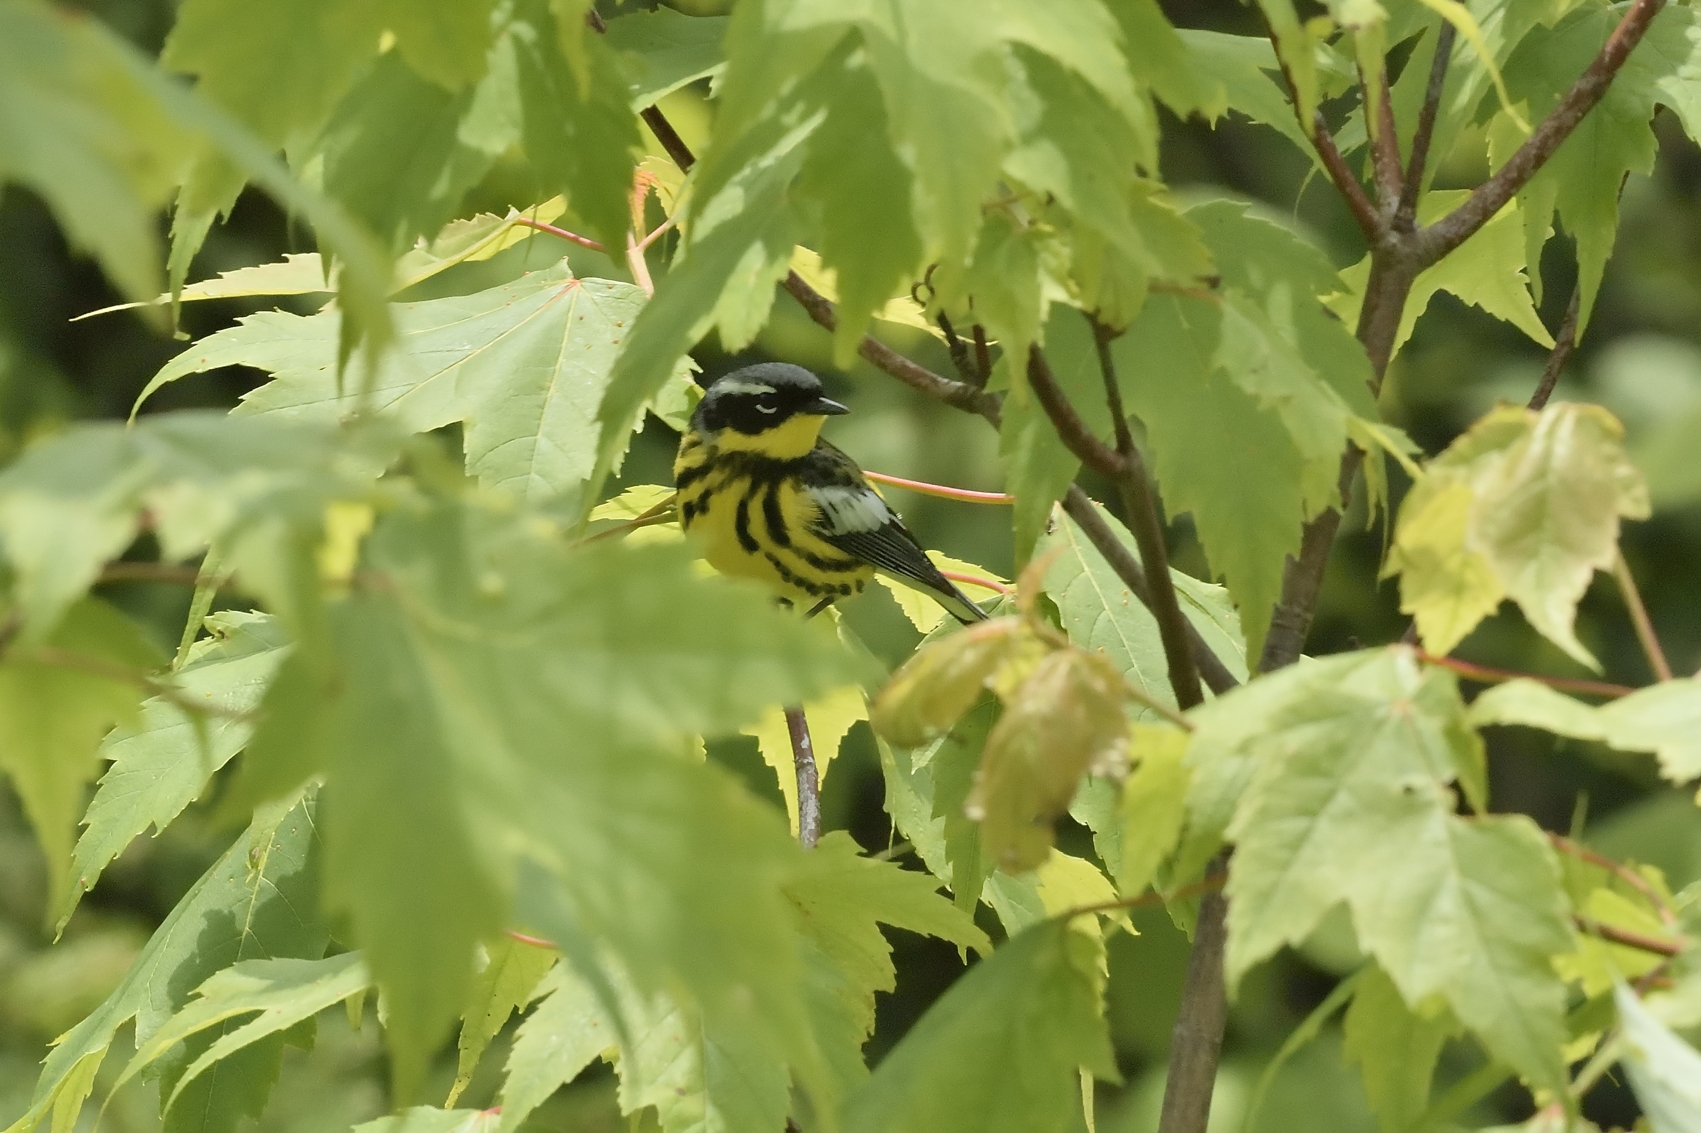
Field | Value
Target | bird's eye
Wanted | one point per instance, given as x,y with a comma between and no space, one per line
767,407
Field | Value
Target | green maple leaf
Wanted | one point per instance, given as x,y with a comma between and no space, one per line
1002,1050
54,711
665,50
1489,271
1349,803
400,151
562,1035
80,131
280,993
164,760
1524,505
1396,1049
1664,718
503,695
444,40
510,979
255,902
258,488
1580,183
524,365
1664,1070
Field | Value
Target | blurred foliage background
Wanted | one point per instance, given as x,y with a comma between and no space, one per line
1641,358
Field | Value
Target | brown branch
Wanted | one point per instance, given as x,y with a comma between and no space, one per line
983,355
1135,489
1430,244
1196,1042
808,778
1406,212
1629,939
1071,430
1623,872
959,351
1385,146
1488,675
1563,345
1369,222
918,377
668,137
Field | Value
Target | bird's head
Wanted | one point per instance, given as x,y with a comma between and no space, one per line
774,409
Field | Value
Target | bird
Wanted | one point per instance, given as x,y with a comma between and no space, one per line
768,499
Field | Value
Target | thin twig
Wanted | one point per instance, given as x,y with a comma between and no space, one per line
1147,529
882,357
668,137
1405,213
534,941
1639,941
1385,146
977,580
582,241
1075,433
1563,344
808,778
1484,674
943,491
1369,222
635,260
1639,618
1430,244
1619,870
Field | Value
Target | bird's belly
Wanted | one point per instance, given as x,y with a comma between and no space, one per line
728,523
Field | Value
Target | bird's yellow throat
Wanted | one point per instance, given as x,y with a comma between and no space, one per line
790,439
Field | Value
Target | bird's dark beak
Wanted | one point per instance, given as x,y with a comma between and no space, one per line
826,407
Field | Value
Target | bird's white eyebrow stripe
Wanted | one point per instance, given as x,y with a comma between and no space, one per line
745,387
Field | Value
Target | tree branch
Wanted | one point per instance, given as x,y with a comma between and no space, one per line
1430,244
1196,1043
808,778
1385,146
1563,344
1137,503
1406,213
1369,222
1073,431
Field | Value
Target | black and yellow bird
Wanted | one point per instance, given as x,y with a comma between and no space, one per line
769,499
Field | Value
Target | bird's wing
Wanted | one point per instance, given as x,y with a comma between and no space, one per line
854,519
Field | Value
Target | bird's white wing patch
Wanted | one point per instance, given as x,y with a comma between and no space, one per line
849,510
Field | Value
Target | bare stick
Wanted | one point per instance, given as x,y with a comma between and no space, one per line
1196,1042
1563,345
1385,147
808,778
1425,133
1143,523
553,230
1639,618
1369,222
1432,243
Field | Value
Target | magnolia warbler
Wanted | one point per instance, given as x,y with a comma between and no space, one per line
770,500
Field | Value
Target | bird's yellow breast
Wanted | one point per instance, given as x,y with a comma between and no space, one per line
753,518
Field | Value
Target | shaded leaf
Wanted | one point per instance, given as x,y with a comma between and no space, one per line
558,1039
56,703
508,981
1033,1004
1154,805
1396,1050
163,762
1664,718
1664,1070
667,50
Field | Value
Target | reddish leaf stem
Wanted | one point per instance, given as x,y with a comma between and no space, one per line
582,241
943,491
1636,940
977,580
1484,674
1623,872
534,941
